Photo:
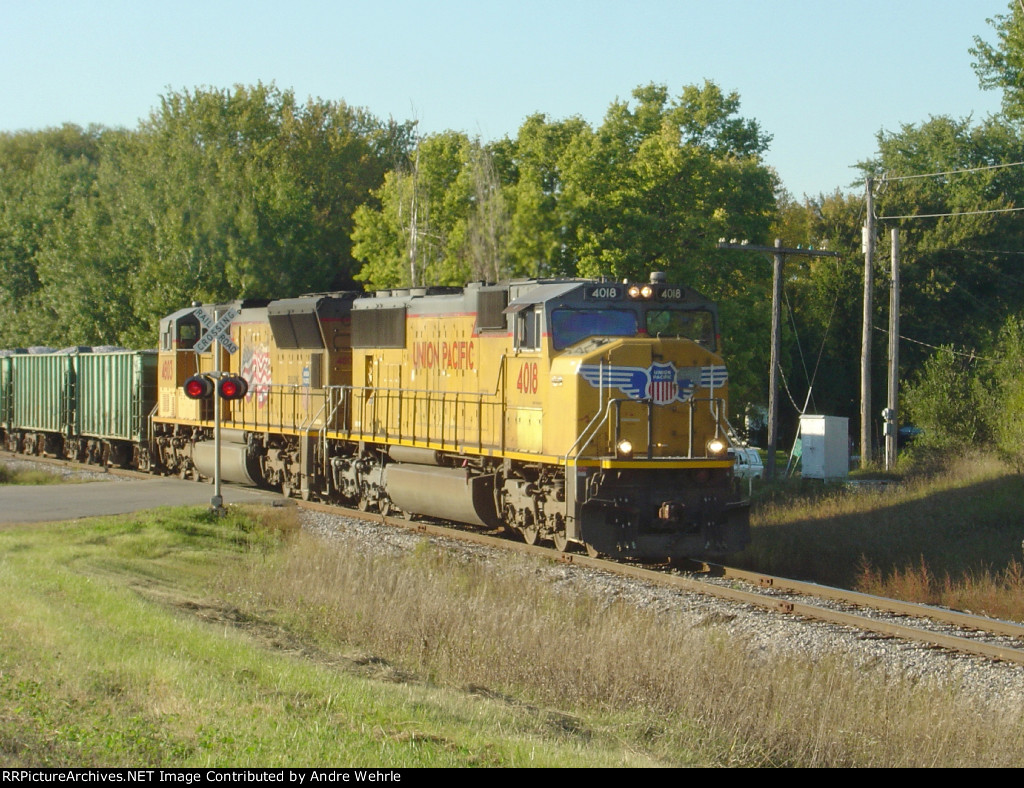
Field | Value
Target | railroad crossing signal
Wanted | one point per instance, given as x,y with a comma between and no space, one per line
216,332
232,387
198,387
228,387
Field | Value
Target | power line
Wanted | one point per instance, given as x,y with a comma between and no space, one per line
950,172
937,347
979,251
955,213
891,179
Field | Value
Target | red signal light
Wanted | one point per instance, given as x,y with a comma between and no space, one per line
198,387
233,387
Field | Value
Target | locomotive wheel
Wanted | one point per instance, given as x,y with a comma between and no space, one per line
561,541
592,551
530,534
363,504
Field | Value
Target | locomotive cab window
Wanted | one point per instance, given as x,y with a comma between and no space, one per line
529,328
695,324
181,335
569,326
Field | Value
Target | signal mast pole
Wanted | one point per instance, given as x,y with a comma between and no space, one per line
218,335
217,502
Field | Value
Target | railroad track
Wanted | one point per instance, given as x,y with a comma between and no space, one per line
937,627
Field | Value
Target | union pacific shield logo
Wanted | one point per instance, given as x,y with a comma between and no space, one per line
660,383
662,389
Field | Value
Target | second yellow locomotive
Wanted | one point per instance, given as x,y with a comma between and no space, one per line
578,411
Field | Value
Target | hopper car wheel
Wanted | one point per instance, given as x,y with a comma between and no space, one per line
387,508
363,504
592,551
183,473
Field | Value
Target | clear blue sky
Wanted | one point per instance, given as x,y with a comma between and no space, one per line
821,76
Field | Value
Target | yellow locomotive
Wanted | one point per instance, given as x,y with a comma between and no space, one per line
578,411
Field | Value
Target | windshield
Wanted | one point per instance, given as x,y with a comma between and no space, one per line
695,324
569,326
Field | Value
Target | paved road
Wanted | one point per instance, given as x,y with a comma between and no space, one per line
45,503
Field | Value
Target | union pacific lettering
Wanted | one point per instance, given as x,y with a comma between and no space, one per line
458,354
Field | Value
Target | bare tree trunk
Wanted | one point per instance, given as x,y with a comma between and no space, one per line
488,224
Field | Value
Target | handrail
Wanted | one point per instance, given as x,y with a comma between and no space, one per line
401,415
322,436
151,428
389,404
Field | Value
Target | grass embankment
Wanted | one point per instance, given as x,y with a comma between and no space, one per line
9,475
118,646
175,638
949,537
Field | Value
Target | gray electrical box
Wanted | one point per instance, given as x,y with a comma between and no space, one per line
825,443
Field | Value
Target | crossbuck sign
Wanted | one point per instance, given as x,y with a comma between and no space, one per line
216,332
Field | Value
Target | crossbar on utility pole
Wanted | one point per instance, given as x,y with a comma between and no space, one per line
779,254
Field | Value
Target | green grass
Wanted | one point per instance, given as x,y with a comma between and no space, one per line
950,534
961,519
11,476
177,638
112,652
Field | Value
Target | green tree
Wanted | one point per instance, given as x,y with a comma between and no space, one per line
46,179
247,193
661,181
1001,65
533,167
947,400
959,262
1005,408
442,218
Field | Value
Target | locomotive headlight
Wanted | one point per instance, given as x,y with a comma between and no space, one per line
634,291
646,291
716,447
624,449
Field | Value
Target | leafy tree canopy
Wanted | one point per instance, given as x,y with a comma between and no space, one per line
219,194
1000,66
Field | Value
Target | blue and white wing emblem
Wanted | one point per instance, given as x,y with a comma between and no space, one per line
630,380
714,376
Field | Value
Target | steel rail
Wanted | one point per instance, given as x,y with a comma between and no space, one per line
944,615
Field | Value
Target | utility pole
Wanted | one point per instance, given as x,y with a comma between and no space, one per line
868,239
891,412
779,254
773,375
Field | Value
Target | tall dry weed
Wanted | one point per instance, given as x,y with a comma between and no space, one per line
984,591
511,628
